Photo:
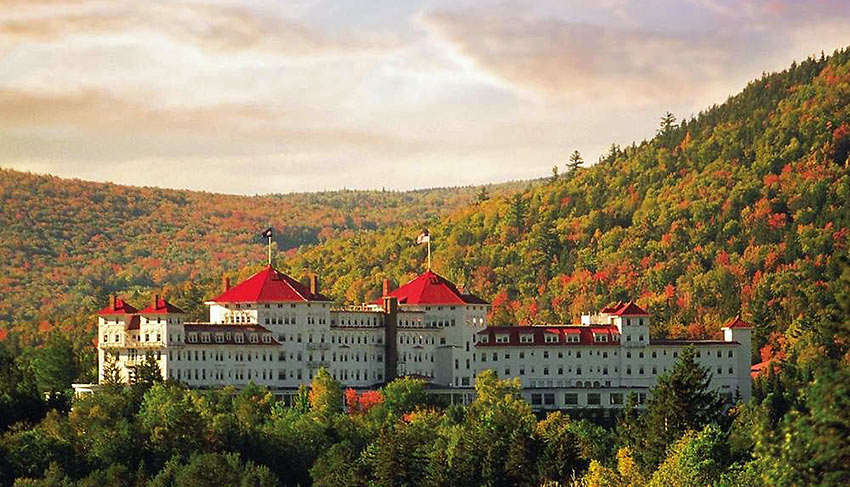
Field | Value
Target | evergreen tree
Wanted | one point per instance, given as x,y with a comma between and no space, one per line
575,162
147,373
680,401
666,129
111,373
554,177
483,195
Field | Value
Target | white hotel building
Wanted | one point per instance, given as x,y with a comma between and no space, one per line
274,331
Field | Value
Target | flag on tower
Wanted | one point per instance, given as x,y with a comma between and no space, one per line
423,237
268,233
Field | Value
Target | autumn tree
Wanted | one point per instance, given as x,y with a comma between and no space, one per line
326,396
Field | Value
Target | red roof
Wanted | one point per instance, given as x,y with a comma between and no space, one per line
629,309
268,286
162,307
431,288
121,308
586,335
737,322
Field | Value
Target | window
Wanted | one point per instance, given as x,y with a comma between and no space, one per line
551,338
536,399
594,398
616,398
500,338
549,399
484,339
571,399
526,338
545,354
238,337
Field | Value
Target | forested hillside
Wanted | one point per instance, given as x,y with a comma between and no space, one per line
742,209
65,244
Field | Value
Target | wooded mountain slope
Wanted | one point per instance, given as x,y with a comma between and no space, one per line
743,209
65,244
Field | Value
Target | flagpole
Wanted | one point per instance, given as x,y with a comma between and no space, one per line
429,253
270,250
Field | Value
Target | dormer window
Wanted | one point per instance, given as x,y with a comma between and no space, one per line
253,337
192,337
600,337
219,337
551,338
484,339
501,338
526,338
238,337
267,339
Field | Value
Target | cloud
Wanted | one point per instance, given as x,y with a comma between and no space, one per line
688,54
564,60
208,26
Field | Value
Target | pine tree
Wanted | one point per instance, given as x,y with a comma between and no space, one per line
575,162
483,195
111,373
681,400
554,177
147,373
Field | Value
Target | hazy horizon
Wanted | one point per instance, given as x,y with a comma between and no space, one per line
268,97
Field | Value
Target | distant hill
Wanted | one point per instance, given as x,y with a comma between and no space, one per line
744,208
65,244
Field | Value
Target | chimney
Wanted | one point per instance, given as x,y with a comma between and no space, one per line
225,284
386,290
155,301
314,284
112,302
390,338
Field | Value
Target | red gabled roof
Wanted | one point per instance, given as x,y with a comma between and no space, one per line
121,308
160,308
268,286
630,309
737,322
431,288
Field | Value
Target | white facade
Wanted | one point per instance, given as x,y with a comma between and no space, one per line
281,344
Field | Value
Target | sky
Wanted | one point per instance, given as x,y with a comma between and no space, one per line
274,96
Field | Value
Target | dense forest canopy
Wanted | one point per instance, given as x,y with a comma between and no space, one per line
65,244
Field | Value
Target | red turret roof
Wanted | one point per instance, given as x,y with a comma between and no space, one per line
431,288
629,309
162,307
121,308
737,322
268,286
